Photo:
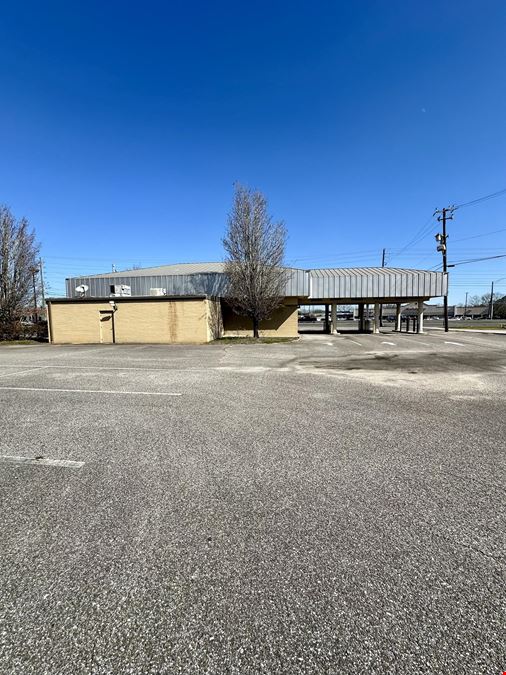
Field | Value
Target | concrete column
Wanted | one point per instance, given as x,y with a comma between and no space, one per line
361,326
420,316
398,317
377,309
333,318
327,321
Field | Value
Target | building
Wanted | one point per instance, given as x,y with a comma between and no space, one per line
187,302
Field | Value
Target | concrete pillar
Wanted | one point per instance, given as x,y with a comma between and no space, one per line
333,317
398,317
361,326
420,316
327,320
377,310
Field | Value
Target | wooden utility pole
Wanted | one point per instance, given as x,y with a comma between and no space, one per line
442,248
381,306
491,306
34,271
42,289
445,269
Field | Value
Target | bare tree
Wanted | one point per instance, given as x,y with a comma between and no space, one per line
255,248
473,301
19,253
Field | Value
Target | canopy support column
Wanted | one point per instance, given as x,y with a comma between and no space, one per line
421,308
333,318
398,317
377,309
361,326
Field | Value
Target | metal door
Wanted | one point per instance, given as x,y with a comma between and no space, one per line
106,327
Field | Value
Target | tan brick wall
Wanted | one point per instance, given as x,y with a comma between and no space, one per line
215,319
169,321
76,323
283,322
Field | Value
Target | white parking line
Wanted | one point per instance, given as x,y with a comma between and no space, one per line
95,391
42,461
355,342
415,342
458,344
103,368
388,343
22,372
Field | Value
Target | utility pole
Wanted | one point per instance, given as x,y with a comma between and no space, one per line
465,306
42,290
34,271
491,306
442,248
381,306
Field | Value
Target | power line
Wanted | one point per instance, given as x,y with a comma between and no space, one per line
423,232
466,262
492,195
478,236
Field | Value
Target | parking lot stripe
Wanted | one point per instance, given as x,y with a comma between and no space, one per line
388,343
100,367
415,341
22,372
355,342
94,391
42,461
459,344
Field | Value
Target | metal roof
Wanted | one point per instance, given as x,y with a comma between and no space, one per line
165,270
353,271
169,270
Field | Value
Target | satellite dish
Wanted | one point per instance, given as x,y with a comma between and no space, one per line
81,290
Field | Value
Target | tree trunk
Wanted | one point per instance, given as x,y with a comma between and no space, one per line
255,327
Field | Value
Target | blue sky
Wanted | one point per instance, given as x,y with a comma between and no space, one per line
123,127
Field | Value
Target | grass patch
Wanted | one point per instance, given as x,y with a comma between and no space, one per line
483,326
252,340
19,342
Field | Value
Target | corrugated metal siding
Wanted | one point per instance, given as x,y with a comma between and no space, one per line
180,284
297,283
343,284
213,284
371,283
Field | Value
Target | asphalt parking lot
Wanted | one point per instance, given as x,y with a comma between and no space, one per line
332,505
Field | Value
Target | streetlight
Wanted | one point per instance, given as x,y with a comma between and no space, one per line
491,304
